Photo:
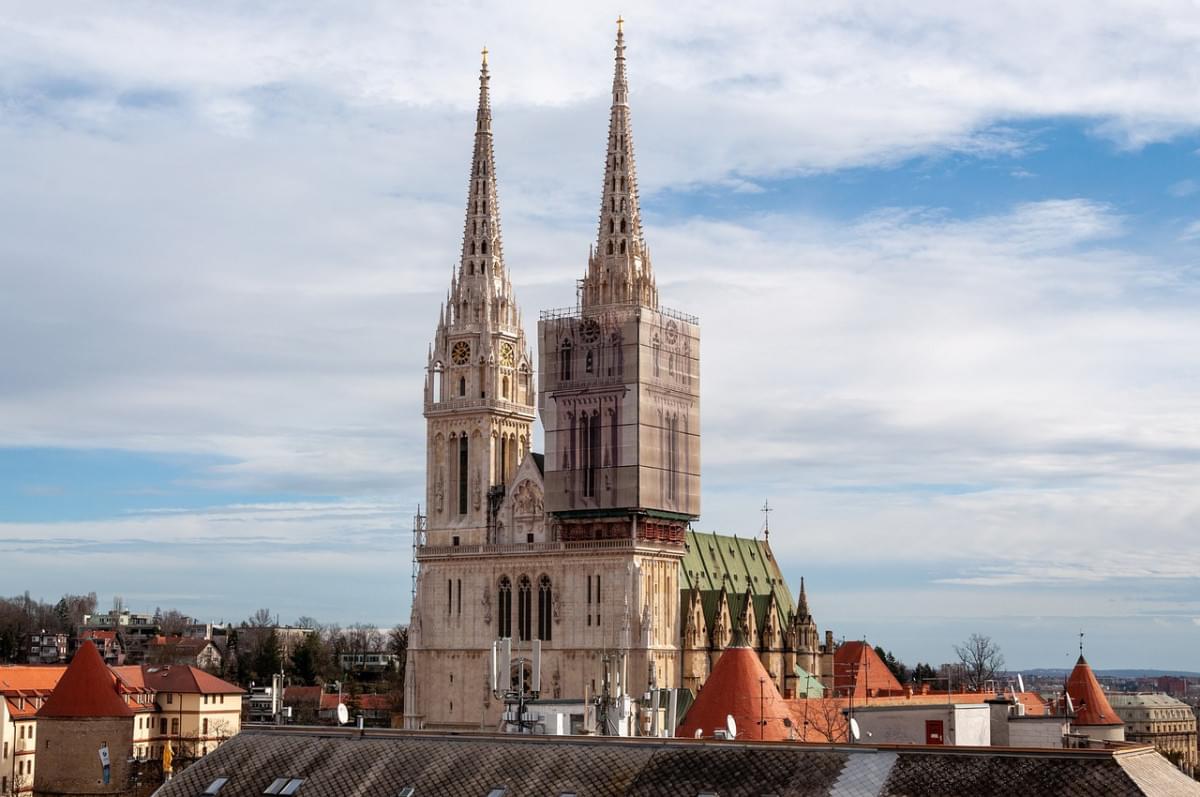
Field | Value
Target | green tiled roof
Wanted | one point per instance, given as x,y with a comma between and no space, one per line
716,560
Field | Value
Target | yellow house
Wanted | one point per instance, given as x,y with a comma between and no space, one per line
180,704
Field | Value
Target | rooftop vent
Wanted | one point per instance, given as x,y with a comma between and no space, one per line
216,785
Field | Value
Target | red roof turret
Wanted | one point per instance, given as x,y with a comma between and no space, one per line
1091,705
738,686
87,689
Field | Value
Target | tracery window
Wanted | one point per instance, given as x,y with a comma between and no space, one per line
504,608
524,609
545,608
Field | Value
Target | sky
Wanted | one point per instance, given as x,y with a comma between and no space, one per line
944,258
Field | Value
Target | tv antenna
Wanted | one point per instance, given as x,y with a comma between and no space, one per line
766,510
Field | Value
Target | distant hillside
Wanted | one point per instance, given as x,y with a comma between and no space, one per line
1054,672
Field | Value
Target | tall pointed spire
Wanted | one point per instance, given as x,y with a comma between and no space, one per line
619,270
802,604
482,252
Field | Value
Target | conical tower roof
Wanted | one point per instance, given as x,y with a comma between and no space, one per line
1091,705
740,687
87,689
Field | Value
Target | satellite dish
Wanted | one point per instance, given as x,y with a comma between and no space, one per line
343,714
854,731
1020,682
699,733
730,726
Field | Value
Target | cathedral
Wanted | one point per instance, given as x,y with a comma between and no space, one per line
588,547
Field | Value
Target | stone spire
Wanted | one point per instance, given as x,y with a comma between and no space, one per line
619,270
480,291
802,604
482,251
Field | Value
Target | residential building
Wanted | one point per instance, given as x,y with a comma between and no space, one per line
108,643
23,690
332,761
198,651
587,549
46,647
375,662
1160,720
183,705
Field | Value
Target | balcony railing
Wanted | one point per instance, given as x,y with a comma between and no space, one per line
599,309
494,549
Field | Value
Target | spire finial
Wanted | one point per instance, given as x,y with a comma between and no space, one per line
620,25
484,53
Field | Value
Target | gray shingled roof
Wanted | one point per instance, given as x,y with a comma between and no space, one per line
335,763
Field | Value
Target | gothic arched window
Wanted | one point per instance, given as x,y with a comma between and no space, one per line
524,609
470,268
622,225
588,366
436,382
565,364
622,247
462,386
545,608
610,226
505,395
483,247
462,474
472,247
610,247
504,608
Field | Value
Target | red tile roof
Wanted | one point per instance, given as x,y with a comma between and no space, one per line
186,679
741,688
87,689
1091,706
30,677
858,670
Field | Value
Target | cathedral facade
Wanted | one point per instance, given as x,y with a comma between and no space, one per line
587,548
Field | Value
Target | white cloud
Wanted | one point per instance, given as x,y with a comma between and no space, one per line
226,231
1183,188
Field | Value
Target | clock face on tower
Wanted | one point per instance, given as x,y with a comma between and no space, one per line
508,355
589,330
460,353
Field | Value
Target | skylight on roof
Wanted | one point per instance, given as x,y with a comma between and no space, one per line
407,791
276,785
499,791
292,786
216,785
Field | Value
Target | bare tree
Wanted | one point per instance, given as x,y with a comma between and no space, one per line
824,719
173,622
981,659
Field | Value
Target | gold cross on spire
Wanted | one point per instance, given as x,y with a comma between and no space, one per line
483,52
620,24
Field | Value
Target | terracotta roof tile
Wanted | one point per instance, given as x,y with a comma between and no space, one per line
858,669
741,688
1091,706
87,689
